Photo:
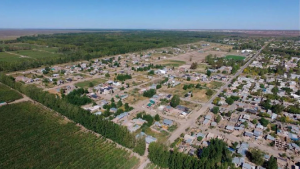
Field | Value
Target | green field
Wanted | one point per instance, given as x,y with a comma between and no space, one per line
86,84
6,57
8,95
234,57
175,63
32,137
35,54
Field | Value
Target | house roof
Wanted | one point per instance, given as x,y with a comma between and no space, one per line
229,127
150,139
168,122
208,117
269,137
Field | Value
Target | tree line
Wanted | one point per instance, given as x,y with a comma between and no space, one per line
215,156
86,46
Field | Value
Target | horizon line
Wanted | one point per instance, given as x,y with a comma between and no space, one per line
233,29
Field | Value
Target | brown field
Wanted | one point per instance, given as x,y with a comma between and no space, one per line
195,56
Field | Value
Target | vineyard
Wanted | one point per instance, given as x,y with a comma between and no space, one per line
32,137
8,95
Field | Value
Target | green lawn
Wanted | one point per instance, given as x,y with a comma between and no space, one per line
86,84
234,57
33,137
8,95
35,54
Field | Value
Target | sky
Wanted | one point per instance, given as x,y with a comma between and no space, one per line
151,14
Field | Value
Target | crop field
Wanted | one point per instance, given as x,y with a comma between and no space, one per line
171,63
35,54
234,57
32,137
8,95
87,83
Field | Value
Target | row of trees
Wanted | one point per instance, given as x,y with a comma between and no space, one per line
123,77
92,122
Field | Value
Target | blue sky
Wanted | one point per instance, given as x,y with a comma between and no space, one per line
151,14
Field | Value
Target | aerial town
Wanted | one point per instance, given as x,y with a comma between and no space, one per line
160,84
187,95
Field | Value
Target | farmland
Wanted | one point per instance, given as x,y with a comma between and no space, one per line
32,137
234,57
8,95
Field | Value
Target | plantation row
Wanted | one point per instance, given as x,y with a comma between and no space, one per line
32,137
92,122
8,95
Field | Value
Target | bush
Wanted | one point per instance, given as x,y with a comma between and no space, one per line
149,93
209,92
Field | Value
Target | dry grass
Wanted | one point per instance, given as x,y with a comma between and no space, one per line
199,96
134,96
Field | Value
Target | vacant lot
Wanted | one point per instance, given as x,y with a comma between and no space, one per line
8,95
134,96
171,63
197,56
32,137
35,54
235,57
215,85
87,83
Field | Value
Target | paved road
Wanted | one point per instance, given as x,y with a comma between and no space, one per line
195,115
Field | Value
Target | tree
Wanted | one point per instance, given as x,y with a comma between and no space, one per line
272,163
264,122
158,86
275,90
91,84
229,100
208,73
156,117
256,156
188,78
218,119
140,146
175,101
149,93
107,75
209,92
215,110
119,103
194,65
199,138
254,121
